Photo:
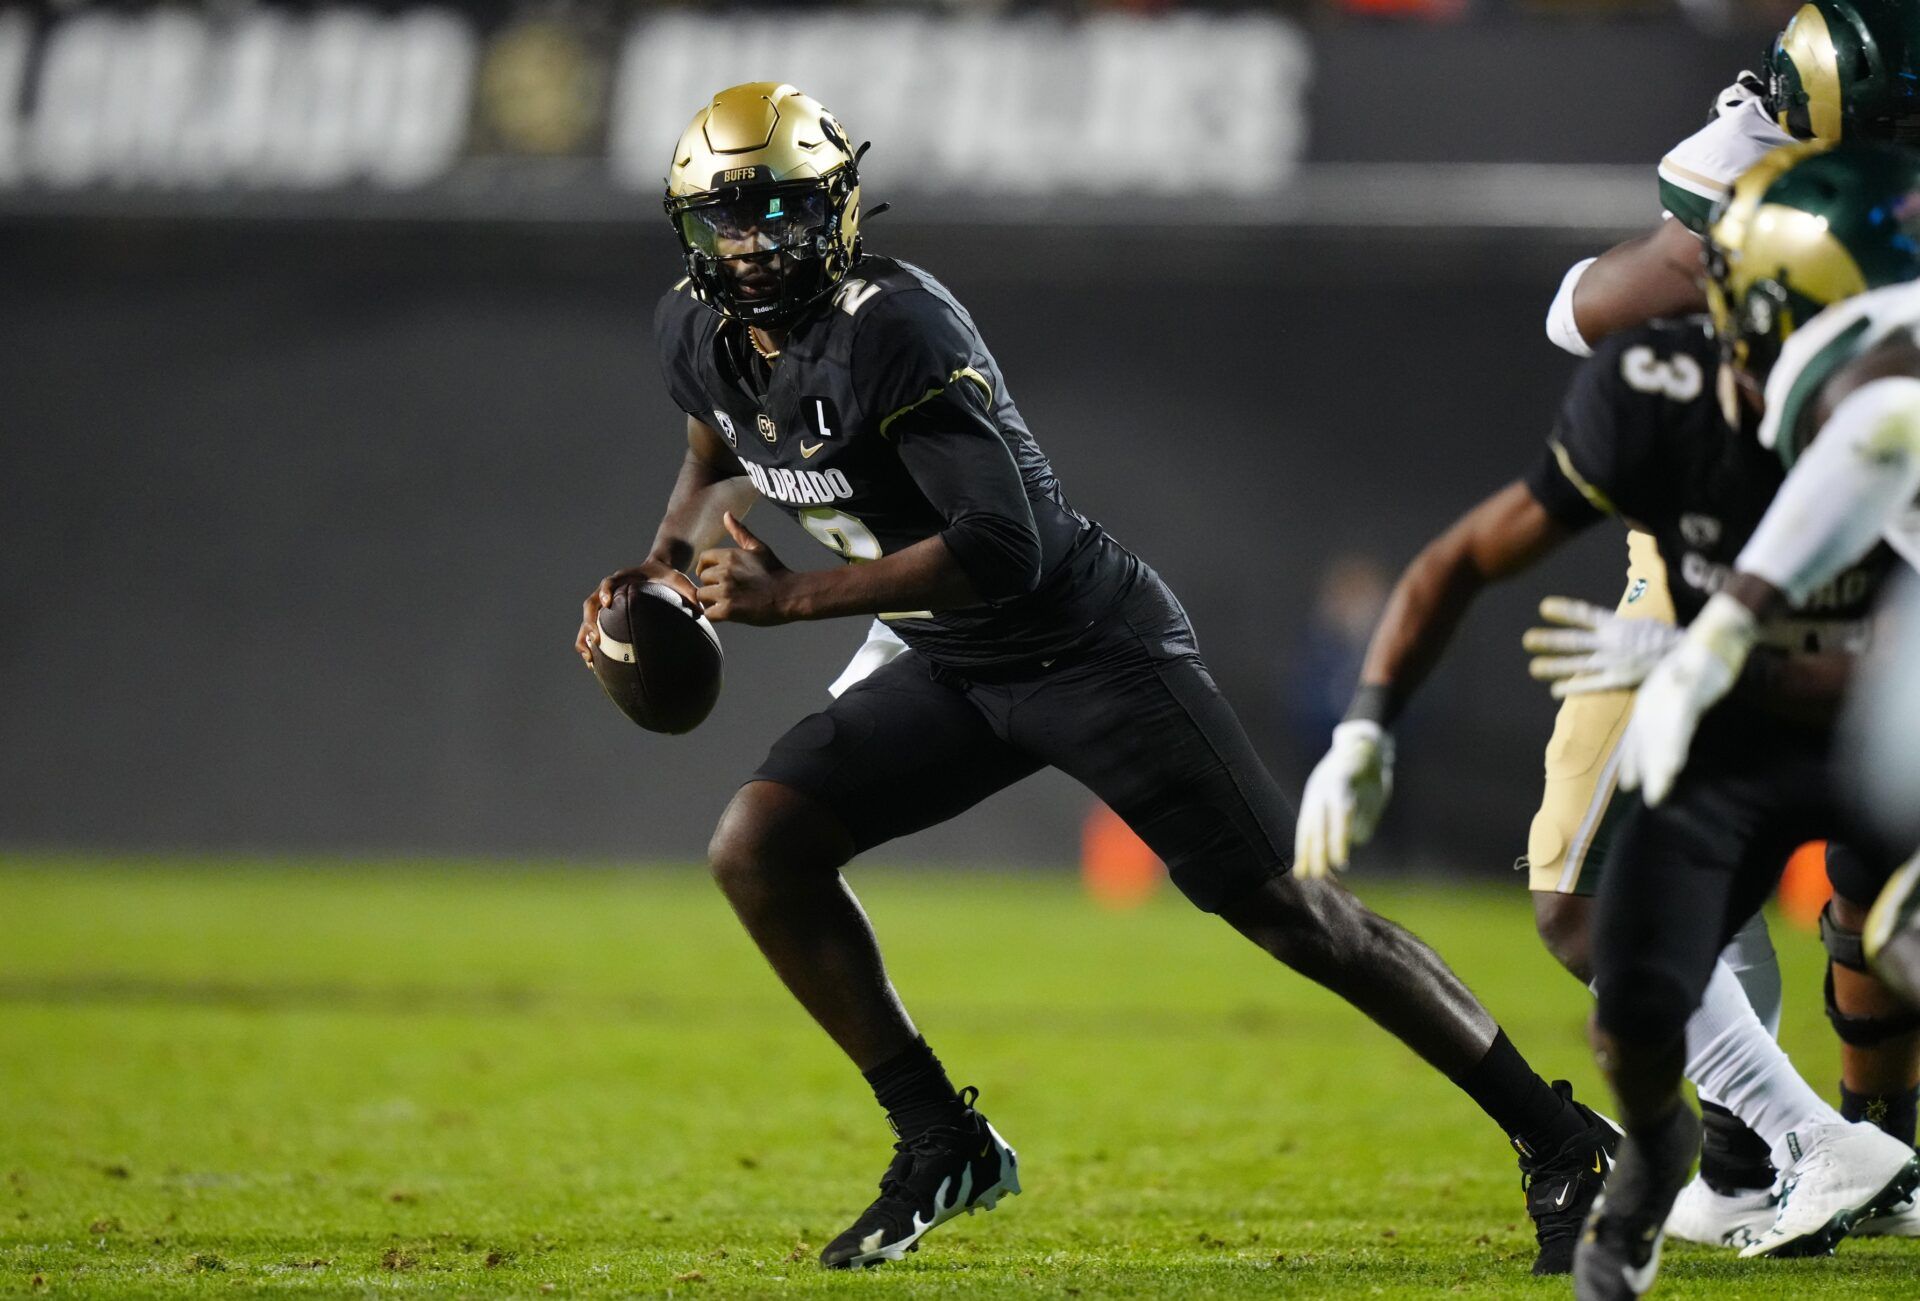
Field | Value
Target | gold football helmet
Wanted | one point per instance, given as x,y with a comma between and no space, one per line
1808,226
764,195
1848,70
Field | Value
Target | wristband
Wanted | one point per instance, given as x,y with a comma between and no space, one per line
1561,327
1375,702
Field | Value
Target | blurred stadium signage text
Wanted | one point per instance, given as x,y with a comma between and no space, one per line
172,98
1032,106
480,106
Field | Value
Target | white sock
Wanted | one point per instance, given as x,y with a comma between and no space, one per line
1754,963
1753,960
1733,1061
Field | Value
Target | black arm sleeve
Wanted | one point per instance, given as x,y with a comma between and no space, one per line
1598,459
953,449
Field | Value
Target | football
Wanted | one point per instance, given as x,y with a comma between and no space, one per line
658,658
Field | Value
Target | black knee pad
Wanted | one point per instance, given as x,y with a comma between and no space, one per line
1866,1031
1844,946
1857,876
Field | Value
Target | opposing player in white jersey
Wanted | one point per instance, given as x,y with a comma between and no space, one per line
1883,753
1840,69
1814,251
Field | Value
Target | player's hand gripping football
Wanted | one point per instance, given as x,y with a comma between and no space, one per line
1690,680
1344,799
648,571
744,583
1594,649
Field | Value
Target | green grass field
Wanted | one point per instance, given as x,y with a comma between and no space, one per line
220,1080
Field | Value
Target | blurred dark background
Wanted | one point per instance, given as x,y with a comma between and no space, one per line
326,395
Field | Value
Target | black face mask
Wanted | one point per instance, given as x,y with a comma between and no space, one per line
763,254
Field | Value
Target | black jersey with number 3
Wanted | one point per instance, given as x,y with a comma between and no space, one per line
1641,435
885,421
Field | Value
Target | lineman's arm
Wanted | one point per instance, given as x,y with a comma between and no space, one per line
1349,787
1503,535
1651,276
710,485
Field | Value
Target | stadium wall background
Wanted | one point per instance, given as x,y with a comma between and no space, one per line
297,516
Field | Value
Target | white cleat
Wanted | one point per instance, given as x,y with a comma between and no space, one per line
1903,1221
1702,1215
1840,1174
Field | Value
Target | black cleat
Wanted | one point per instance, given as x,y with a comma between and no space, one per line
1561,1186
1619,1252
934,1177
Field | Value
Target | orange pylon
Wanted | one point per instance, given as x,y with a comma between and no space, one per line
1804,889
1116,866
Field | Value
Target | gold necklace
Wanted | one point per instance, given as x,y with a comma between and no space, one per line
764,354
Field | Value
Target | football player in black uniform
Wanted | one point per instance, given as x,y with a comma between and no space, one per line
1642,437
1792,258
855,391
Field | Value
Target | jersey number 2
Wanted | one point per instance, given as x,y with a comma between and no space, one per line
852,541
841,533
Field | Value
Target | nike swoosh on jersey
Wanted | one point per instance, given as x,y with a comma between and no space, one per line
806,451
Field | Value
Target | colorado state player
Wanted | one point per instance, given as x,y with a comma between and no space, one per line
1840,69
1792,258
856,393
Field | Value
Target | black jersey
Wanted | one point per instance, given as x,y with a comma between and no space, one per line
885,422
1641,435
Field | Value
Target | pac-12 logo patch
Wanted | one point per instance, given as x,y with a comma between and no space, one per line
767,431
725,422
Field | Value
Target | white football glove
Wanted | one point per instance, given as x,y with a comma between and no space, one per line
1596,650
1344,798
1746,88
1695,674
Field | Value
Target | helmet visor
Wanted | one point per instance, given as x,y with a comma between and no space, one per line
766,222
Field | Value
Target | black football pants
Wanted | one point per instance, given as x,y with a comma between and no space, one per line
1133,715
1683,877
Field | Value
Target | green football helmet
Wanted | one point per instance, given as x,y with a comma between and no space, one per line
1848,70
1806,227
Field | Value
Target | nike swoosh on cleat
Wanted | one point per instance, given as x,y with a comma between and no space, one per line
1561,1200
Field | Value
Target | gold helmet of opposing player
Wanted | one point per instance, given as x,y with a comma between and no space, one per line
764,195
1805,227
1848,70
